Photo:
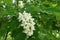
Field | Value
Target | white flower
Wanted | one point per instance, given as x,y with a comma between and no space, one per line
13,1
30,33
39,13
3,6
21,4
29,1
57,35
8,16
27,23
20,16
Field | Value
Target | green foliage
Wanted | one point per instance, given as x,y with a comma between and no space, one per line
47,22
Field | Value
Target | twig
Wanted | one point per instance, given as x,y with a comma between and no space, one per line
26,38
6,35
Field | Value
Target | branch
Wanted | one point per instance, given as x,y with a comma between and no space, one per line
6,35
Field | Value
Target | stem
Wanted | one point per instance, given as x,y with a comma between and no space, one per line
17,5
6,35
26,38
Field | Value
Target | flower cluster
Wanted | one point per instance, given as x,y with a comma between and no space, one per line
27,23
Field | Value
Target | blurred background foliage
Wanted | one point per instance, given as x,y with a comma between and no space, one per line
45,12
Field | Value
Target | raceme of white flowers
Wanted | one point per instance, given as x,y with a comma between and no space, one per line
21,4
27,23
